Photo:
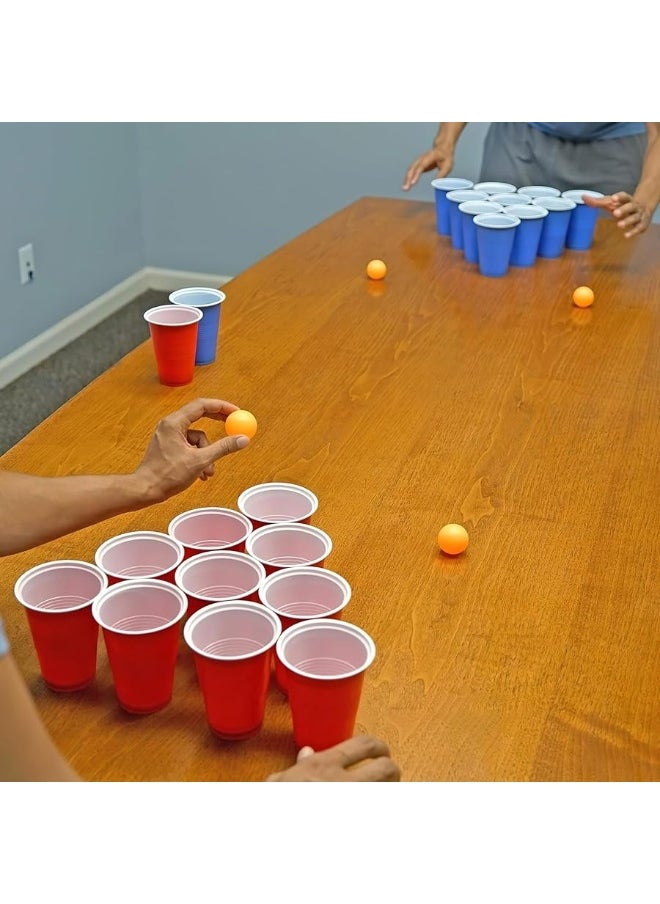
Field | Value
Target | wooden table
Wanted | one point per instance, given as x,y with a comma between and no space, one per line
436,395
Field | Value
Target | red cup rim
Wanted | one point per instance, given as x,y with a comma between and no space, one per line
325,624
284,527
134,535
47,566
320,574
130,587
232,605
214,554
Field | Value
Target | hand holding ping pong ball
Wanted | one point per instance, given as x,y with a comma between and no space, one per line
376,269
453,539
241,423
583,297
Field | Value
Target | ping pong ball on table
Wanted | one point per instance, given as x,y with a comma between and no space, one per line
453,539
376,269
241,423
583,297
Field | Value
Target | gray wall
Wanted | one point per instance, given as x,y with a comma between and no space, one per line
72,190
217,197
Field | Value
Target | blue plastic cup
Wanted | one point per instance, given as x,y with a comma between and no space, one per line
468,211
511,199
208,301
539,191
581,228
454,199
495,235
555,225
494,188
528,234
441,187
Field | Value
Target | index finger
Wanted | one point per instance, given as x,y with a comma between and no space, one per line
193,411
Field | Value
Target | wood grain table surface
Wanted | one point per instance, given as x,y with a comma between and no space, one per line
435,395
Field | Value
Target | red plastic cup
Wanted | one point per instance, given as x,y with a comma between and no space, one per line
139,554
279,546
232,645
213,577
203,529
140,624
272,503
173,330
57,597
300,594
325,661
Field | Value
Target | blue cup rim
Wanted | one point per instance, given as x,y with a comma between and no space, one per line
180,295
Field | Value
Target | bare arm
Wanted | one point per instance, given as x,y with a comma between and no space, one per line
441,155
35,510
27,752
633,213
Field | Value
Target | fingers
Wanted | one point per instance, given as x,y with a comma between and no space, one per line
199,438
413,174
193,411
361,747
607,202
382,769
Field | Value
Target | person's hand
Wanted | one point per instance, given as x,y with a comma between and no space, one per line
439,156
360,759
177,455
632,216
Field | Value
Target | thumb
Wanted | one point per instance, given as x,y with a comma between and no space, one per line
225,446
303,753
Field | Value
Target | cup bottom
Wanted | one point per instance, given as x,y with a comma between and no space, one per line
240,736
69,688
144,711
172,383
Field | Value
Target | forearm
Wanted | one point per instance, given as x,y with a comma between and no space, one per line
648,189
27,752
35,510
448,134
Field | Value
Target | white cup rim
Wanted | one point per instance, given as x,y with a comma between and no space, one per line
546,191
491,207
130,587
208,510
284,527
265,487
511,221
137,535
228,606
36,570
527,211
194,316
326,624
451,183
214,554
575,194
218,296
458,195
321,574
495,188
555,204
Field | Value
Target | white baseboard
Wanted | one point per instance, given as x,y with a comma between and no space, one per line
22,359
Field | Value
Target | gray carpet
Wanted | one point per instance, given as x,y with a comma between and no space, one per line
42,390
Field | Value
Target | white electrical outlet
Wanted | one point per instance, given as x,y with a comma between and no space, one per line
26,263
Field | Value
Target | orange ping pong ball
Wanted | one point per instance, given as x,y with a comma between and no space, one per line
583,297
241,423
453,539
376,269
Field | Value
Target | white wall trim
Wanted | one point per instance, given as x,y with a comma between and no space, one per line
23,359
